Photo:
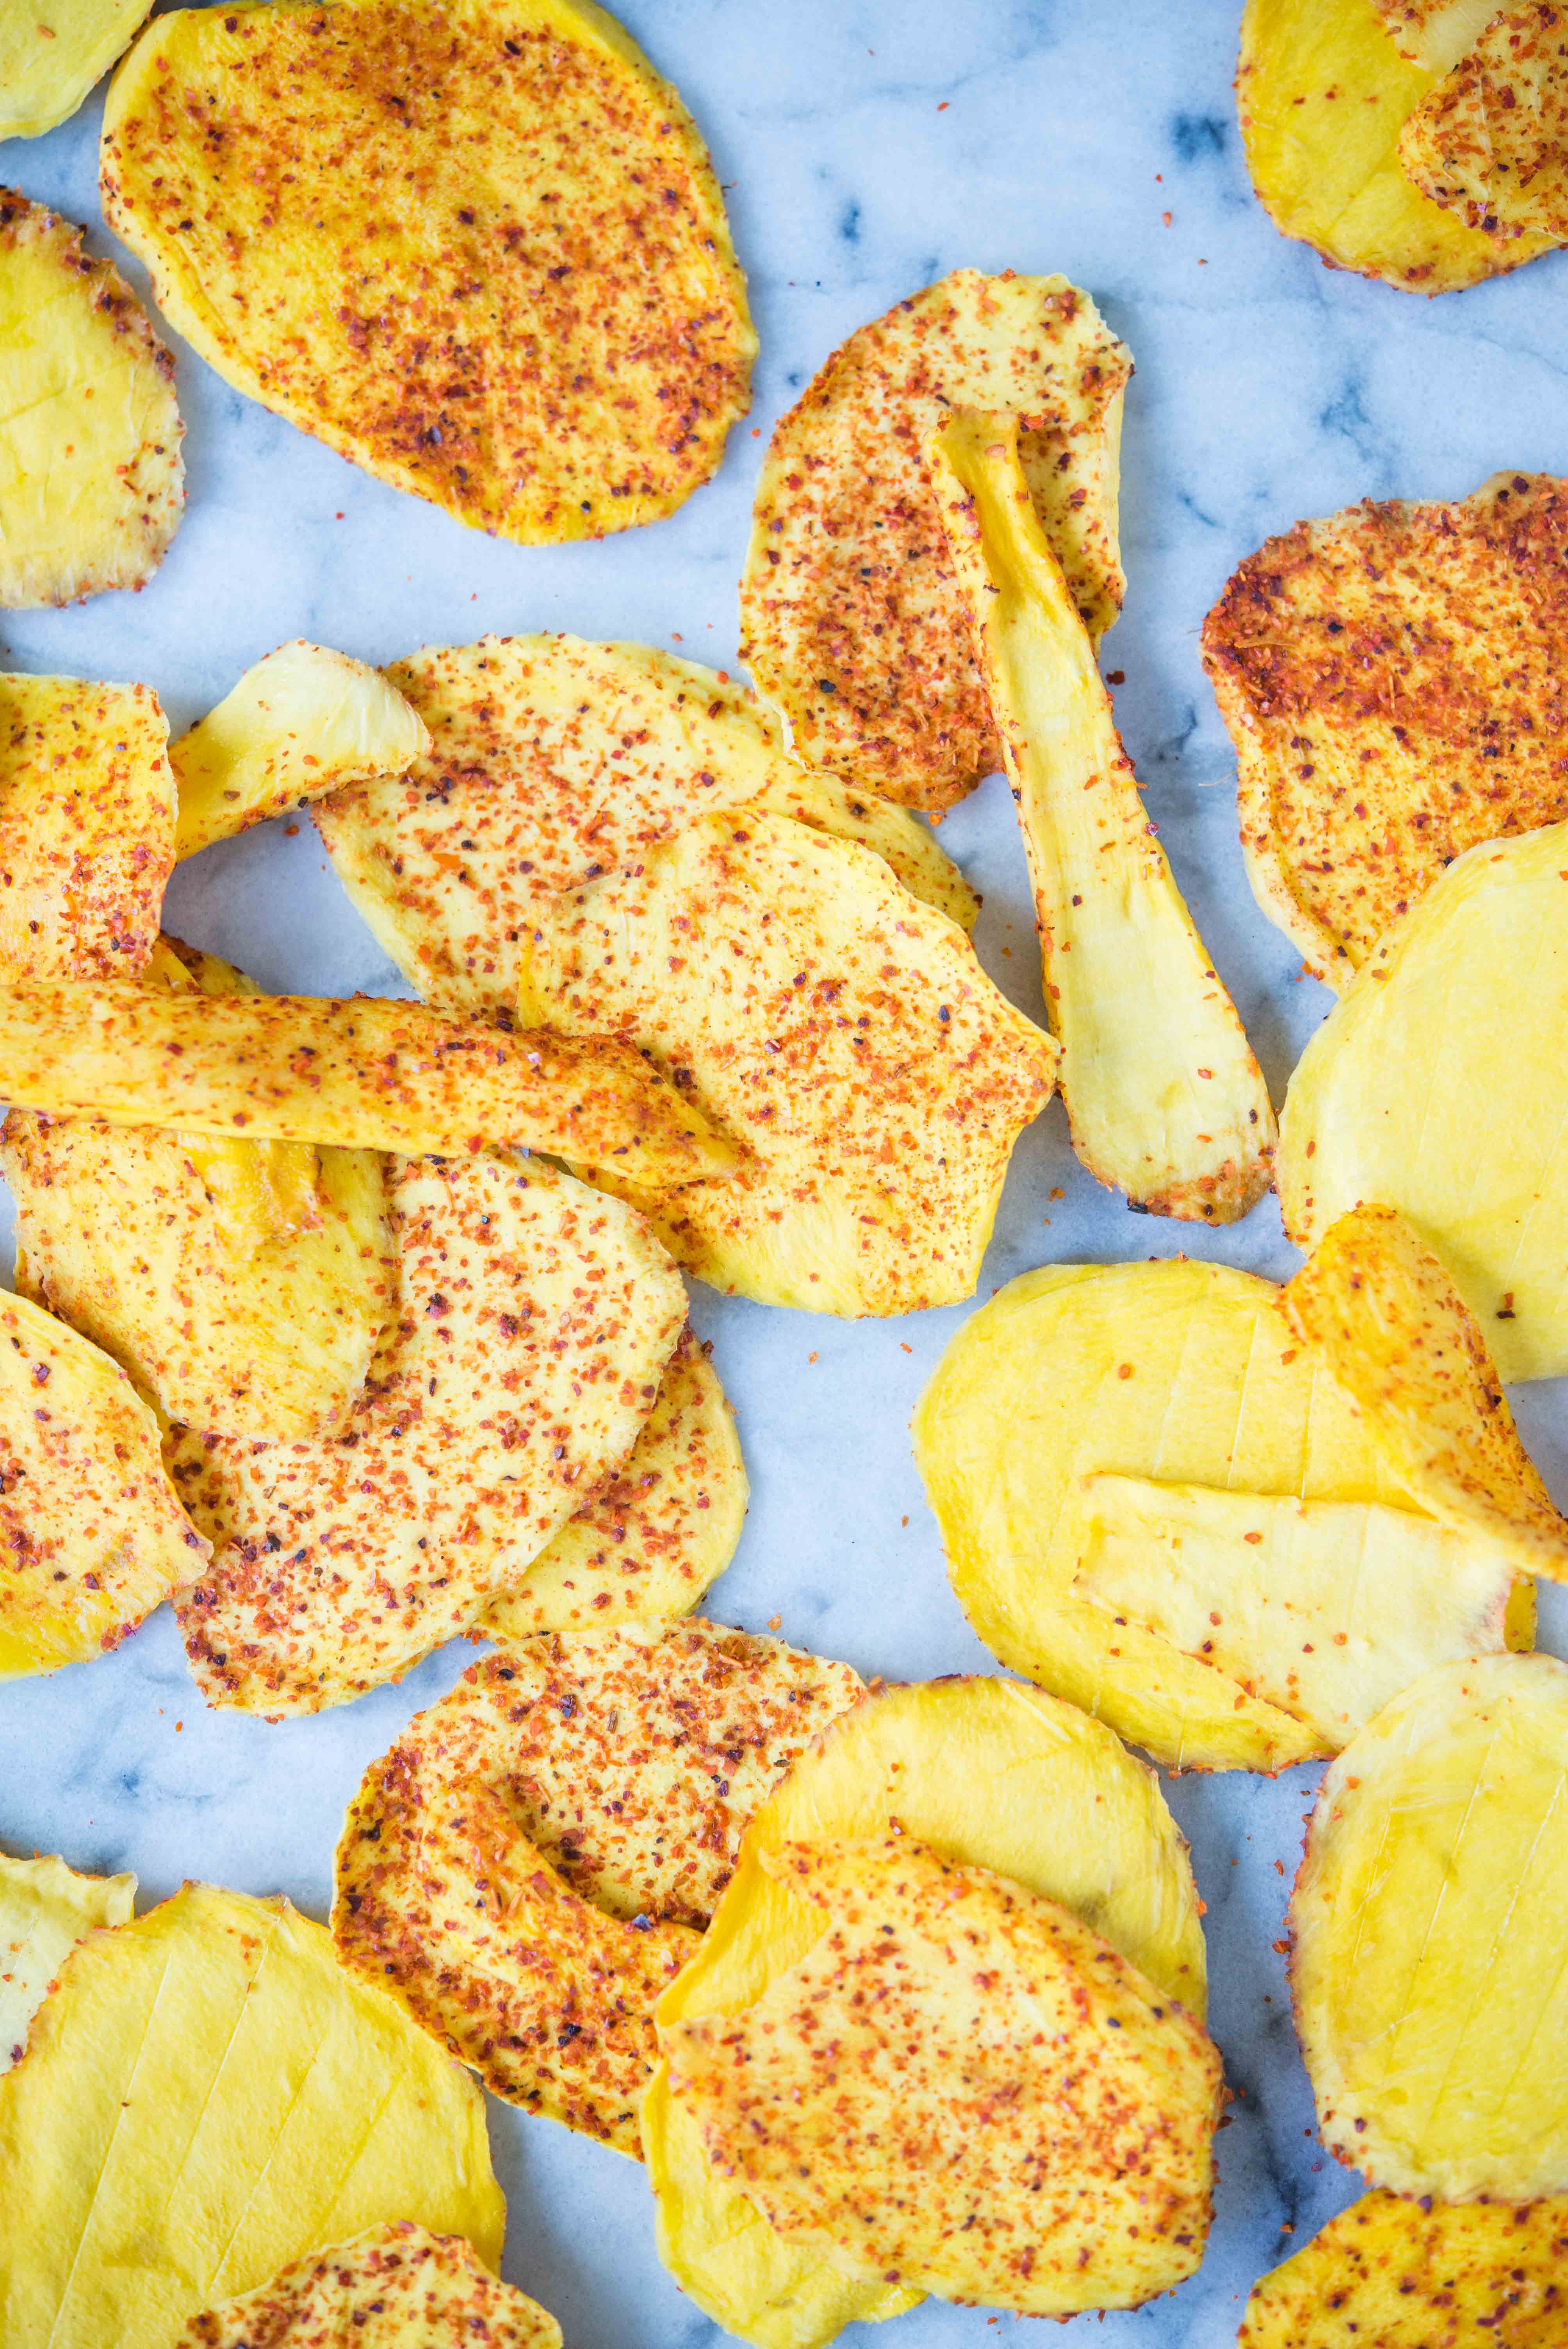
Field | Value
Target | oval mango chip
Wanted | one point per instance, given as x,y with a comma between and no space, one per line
483,255
551,762
1390,2273
651,1540
1324,95
1232,1541
851,622
599,1782
1427,1971
46,1907
206,2095
990,1776
92,483
1464,1002
393,2287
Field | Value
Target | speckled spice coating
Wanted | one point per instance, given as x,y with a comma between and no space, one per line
1488,142
591,1789
531,1323
478,247
1392,678
397,2287
89,441
849,618
961,2087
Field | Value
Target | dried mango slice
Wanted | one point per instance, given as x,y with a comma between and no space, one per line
1324,94
86,827
657,1533
494,273
1391,679
1490,142
960,2087
531,1321
365,1074
92,483
1427,1975
1435,33
1461,1007
205,2096
843,1031
1392,2274
396,2286
51,55
91,1535
550,762
990,1775
1163,1095
851,618
243,1285
300,723
46,1907
1324,1609
600,1781
1383,1308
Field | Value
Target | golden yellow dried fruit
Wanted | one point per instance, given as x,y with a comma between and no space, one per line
86,827
841,1031
1426,1971
550,762
92,483
531,1321
655,1535
1324,94
850,621
45,1910
592,1788
396,2286
91,1535
1490,142
51,55
1163,1093
496,272
299,723
959,2087
1389,2273
205,2096
990,1775
1391,679
1462,1003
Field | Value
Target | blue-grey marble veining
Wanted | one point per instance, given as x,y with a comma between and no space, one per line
867,146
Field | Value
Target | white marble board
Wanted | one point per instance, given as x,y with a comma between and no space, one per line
867,147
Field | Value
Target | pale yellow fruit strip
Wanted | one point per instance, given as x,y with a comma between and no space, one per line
1162,1093
362,1074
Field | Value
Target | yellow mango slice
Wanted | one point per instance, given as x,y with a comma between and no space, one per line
51,55
46,1907
396,2286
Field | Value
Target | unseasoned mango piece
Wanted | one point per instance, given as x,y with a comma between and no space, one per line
990,1775
959,2086
550,762
1490,142
1324,1609
45,1910
487,261
302,722
204,2096
531,1321
1389,2273
1392,678
367,1073
1424,1090
841,1031
91,1535
53,53
851,618
657,1533
1324,94
396,2286
594,1785
92,483
1382,1308
1163,1093
1428,1976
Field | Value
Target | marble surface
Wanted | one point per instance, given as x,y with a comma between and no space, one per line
867,146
